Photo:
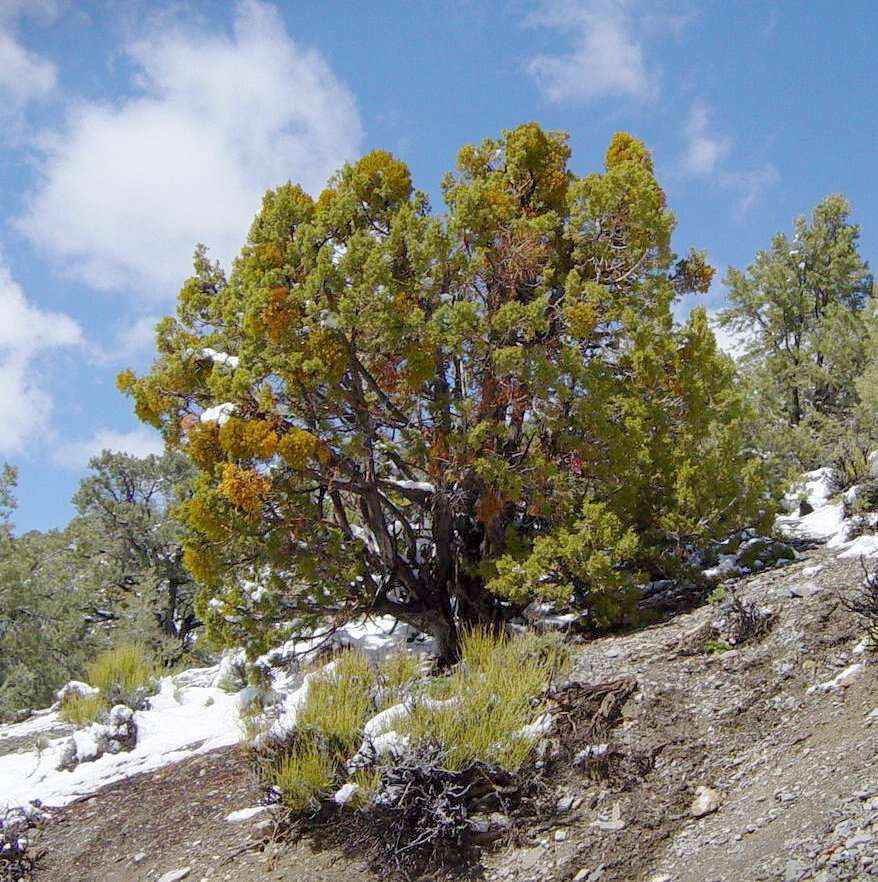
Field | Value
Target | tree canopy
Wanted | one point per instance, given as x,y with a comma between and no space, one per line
800,310
444,417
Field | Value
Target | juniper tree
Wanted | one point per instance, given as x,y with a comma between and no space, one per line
799,307
440,418
128,547
43,627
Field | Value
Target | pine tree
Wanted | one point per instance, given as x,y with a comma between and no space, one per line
43,624
442,418
127,545
799,308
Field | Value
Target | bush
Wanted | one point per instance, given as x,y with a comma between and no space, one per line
864,604
122,675
82,709
121,672
17,858
479,713
489,701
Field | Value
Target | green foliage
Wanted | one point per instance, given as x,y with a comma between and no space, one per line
44,629
495,691
717,595
339,702
127,548
115,574
716,647
303,777
580,564
81,710
425,410
801,306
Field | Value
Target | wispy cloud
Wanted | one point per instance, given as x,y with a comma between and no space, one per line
24,75
27,334
606,53
749,185
138,442
128,189
707,155
133,337
704,149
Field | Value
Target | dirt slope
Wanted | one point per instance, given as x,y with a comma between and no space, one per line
794,769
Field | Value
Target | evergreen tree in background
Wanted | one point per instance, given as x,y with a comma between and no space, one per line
114,574
443,418
129,542
799,309
44,631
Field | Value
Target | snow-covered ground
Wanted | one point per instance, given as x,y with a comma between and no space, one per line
179,722
190,714
827,521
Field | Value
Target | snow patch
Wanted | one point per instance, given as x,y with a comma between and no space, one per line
245,814
840,681
219,413
222,358
346,793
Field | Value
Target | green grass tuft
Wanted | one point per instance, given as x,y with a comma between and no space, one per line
121,671
118,674
339,702
496,690
81,710
397,675
303,777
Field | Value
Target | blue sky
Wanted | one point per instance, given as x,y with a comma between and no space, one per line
132,130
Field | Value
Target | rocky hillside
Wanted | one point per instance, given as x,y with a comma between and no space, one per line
736,742
748,763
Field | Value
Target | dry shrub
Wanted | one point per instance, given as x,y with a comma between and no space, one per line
17,857
864,603
745,622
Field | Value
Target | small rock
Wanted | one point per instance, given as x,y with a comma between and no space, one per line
175,875
140,856
609,826
792,871
564,804
560,835
706,801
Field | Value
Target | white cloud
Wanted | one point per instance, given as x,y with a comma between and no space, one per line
133,338
26,333
732,342
138,442
129,188
706,154
24,75
704,150
606,56
749,185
